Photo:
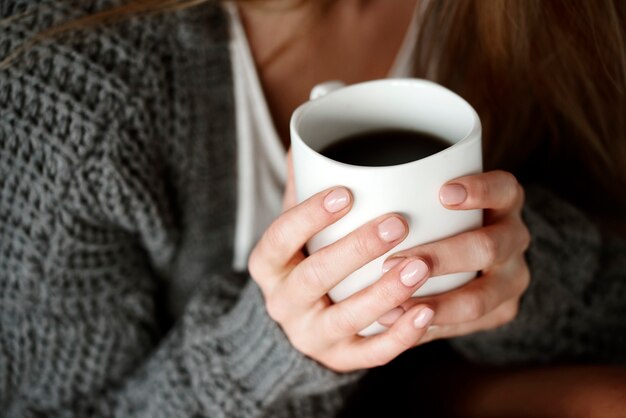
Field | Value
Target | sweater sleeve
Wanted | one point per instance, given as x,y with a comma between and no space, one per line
235,365
86,123
83,321
575,306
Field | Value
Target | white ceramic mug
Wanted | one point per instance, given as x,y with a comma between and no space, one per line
336,111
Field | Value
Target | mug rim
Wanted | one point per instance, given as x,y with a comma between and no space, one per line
472,136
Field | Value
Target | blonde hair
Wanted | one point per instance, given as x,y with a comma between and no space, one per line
548,79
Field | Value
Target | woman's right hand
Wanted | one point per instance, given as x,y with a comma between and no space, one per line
295,286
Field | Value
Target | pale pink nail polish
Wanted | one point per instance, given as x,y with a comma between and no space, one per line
413,273
453,194
423,317
391,317
391,229
336,200
391,263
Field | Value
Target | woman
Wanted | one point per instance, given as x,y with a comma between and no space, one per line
124,292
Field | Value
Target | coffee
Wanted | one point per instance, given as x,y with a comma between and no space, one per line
384,147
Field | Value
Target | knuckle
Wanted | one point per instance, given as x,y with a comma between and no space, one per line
313,279
402,341
344,323
482,190
472,307
518,196
277,309
487,248
384,292
274,237
504,188
312,216
525,237
363,246
515,195
508,178
505,178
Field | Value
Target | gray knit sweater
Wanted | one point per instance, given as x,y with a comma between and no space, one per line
117,202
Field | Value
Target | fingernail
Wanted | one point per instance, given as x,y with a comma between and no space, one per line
336,200
423,317
391,317
453,194
391,229
391,263
413,273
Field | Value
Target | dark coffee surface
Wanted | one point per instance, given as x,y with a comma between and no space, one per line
384,147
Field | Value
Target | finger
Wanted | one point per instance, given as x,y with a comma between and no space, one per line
500,316
476,250
390,317
478,297
497,190
286,236
380,349
289,198
353,314
320,272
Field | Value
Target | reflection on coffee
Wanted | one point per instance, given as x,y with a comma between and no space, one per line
384,147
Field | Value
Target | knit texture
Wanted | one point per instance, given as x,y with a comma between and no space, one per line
575,307
117,186
117,202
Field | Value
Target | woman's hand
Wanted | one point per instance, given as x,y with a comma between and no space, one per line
295,286
497,250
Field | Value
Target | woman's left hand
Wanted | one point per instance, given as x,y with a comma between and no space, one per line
496,249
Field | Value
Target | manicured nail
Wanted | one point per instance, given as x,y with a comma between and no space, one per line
336,200
423,317
413,273
453,194
391,229
391,317
391,263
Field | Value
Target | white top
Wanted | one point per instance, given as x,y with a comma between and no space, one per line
261,167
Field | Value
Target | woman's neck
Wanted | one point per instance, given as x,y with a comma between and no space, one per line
296,45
